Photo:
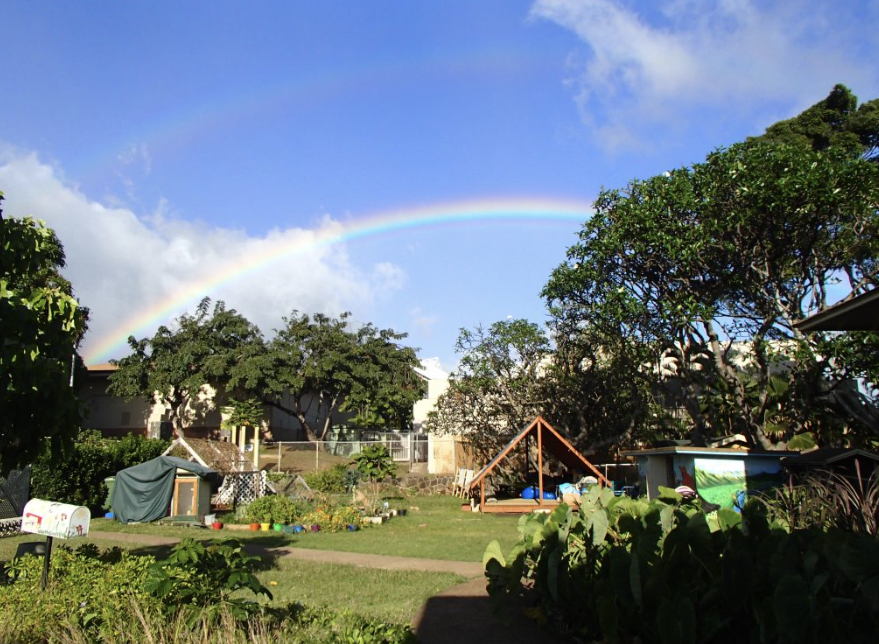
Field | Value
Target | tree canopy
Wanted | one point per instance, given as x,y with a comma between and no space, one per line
499,385
216,348
325,366
693,280
41,325
313,368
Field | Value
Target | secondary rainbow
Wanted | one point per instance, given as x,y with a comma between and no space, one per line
505,210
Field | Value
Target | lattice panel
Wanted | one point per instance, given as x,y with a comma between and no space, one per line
241,487
10,527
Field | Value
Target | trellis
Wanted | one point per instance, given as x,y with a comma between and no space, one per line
241,487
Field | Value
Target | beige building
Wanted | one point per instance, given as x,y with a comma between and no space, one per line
115,416
445,454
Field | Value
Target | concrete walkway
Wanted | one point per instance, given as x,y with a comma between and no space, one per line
459,615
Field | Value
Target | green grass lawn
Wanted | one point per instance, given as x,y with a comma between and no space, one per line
390,595
433,528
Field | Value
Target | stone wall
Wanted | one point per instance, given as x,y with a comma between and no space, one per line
424,484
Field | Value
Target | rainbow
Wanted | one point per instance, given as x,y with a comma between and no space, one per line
381,223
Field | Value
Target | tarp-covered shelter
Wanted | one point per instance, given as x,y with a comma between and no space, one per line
544,437
144,492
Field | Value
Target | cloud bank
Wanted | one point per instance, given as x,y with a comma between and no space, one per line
122,263
649,64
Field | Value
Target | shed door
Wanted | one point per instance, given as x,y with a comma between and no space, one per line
185,497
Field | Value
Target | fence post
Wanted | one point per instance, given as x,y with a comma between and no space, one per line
279,458
316,456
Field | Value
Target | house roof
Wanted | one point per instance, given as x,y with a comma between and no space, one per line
104,366
552,441
706,451
829,455
860,313
222,456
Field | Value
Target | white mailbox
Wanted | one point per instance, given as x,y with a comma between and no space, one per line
53,519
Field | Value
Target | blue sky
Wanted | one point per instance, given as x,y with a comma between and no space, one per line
169,141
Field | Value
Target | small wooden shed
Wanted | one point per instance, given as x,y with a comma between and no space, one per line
545,437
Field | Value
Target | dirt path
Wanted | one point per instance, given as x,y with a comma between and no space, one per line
458,615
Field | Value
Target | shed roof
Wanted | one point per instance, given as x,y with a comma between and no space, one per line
549,439
222,456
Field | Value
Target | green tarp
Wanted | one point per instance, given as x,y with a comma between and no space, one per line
143,492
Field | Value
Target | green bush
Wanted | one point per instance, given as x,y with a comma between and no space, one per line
119,598
86,589
621,569
205,575
78,477
333,480
375,463
276,509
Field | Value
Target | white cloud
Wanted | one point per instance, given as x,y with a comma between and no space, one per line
122,264
661,66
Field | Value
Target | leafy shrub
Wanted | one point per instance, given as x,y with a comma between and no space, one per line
332,517
206,575
333,480
103,599
623,569
78,477
86,590
276,509
375,463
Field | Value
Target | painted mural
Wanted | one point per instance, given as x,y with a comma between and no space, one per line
728,481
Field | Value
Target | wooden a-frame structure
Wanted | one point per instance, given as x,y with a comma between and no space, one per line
546,438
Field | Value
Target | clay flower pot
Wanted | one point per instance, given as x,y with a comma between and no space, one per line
315,528
254,526
265,526
278,527
217,525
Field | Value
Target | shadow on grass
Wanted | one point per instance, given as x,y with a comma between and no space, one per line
268,548
464,614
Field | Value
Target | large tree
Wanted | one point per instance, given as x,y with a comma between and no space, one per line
709,268
321,365
499,385
216,348
41,325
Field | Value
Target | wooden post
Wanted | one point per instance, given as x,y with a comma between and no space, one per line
256,447
540,462
46,558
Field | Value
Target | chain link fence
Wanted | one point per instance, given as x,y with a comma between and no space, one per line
302,456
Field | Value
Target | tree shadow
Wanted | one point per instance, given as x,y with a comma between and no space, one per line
465,614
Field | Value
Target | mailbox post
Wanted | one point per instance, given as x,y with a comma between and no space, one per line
54,520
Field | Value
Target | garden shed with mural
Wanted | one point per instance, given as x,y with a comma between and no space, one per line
536,439
719,476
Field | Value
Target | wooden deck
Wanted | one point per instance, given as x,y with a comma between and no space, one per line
518,506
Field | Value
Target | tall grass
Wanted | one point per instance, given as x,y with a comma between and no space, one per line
827,500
